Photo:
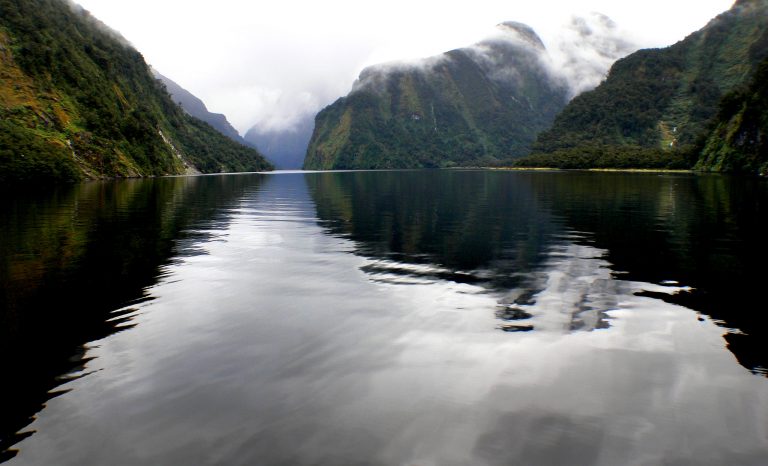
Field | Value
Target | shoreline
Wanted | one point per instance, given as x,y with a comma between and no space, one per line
619,170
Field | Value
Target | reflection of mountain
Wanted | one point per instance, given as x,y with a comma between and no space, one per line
68,260
468,226
527,237
483,229
702,231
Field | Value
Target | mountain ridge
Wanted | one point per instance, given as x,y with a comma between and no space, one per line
194,106
78,102
470,106
486,102
656,104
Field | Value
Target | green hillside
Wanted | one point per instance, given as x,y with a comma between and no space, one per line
739,138
474,106
76,101
658,103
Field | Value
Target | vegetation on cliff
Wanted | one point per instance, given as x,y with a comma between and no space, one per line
476,106
738,141
77,101
656,106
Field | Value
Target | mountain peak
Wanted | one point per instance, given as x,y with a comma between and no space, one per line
522,31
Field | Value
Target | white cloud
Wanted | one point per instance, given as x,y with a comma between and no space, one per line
585,48
269,62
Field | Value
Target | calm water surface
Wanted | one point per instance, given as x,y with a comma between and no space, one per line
416,318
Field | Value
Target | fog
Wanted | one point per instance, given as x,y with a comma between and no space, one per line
272,64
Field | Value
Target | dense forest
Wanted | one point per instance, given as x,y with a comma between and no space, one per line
608,156
77,101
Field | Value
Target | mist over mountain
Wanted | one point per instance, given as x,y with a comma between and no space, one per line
196,108
657,104
479,105
586,48
285,148
473,106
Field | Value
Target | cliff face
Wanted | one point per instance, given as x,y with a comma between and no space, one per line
77,101
474,106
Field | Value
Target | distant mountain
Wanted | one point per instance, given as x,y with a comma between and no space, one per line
77,101
656,104
285,148
473,106
195,107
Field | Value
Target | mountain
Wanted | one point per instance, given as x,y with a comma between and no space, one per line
195,107
473,106
285,148
77,101
738,140
656,103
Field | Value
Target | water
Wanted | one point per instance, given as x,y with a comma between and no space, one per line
427,317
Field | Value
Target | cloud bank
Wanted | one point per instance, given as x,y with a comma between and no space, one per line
270,63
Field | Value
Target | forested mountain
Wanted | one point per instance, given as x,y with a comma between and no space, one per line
656,104
474,106
77,101
196,107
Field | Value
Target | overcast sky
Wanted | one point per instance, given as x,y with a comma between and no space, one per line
268,62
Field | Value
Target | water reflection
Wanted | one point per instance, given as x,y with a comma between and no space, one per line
469,227
502,230
410,318
707,232
74,266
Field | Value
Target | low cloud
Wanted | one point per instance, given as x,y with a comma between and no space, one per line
584,50
578,57
278,110
264,62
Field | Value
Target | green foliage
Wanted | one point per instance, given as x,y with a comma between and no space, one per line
625,109
452,113
660,99
738,141
25,157
605,156
211,152
116,110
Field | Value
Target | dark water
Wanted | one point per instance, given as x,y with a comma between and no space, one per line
429,317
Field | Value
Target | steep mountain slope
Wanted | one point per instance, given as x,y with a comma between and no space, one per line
471,106
659,101
195,107
739,138
77,101
285,148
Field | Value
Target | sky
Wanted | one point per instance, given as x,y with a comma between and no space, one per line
271,62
